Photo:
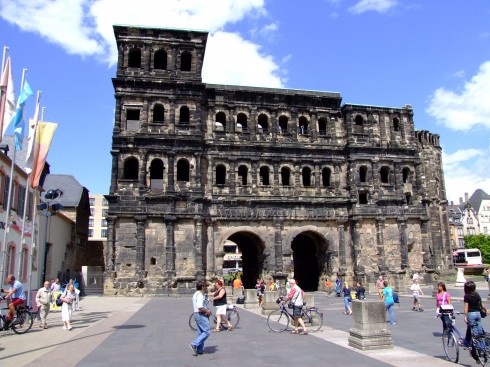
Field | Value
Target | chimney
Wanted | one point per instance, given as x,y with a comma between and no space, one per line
452,204
466,197
461,201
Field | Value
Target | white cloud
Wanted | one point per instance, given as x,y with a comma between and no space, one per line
381,6
459,74
268,31
465,110
84,27
465,171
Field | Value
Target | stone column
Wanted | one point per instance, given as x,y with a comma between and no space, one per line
402,227
275,182
140,241
198,169
251,300
115,171
356,253
144,117
110,249
171,121
117,116
142,173
198,238
274,125
171,170
210,249
342,259
170,246
424,231
232,184
380,244
318,178
313,132
255,189
278,247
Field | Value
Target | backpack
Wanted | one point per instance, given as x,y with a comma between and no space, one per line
58,301
395,297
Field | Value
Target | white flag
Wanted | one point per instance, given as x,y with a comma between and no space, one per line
8,105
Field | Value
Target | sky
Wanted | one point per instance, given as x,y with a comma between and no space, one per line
433,55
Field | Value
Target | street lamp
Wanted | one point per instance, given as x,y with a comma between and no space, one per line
47,209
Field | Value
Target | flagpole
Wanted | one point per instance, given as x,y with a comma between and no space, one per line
26,197
5,50
42,113
34,235
7,211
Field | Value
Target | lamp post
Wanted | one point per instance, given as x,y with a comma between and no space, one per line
48,209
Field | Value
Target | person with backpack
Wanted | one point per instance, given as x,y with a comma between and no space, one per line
296,295
68,297
388,298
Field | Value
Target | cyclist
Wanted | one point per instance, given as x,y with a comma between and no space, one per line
297,296
15,295
472,307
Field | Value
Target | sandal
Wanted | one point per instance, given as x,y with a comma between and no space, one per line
303,333
216,330
230,328
294,332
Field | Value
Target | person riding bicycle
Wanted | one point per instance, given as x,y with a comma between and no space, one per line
15,295
472,307
297,296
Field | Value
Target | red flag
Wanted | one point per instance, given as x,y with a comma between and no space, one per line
7,102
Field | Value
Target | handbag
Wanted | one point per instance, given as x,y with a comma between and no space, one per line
59,302
483,313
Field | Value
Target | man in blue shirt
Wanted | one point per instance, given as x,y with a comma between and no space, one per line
201,315
15,295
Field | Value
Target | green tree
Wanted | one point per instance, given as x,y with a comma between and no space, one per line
482,243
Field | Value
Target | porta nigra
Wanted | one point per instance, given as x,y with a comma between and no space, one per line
287,175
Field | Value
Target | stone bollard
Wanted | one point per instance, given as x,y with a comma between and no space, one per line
251,300
270,304
229,292
369,330
309,299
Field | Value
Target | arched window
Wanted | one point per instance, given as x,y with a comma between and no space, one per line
156,174
406,174
396,124
326,177
322,126
306,173
132,119
243,175
363,174
285,176
134,58
184,115
264,176
263,123
158,114
160,60
303,125
221,119
384,174
183,169
131,169
241,120
283,124
408,198
359,127
363,198
220,175
185,61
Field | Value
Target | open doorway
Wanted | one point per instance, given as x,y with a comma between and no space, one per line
251,248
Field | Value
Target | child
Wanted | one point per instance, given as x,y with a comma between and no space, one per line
417,291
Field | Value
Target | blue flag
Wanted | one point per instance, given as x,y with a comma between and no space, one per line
18,120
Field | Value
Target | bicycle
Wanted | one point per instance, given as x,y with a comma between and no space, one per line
451,342
231,314
22,321
278,320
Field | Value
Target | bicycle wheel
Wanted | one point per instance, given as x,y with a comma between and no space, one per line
278,321
23,322
313,319
450,344
192,323
480,343
233,316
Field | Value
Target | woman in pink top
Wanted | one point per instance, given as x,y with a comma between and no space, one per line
443,298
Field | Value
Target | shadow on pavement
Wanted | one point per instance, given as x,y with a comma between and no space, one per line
120,327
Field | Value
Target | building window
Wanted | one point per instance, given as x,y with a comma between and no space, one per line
103,222
241,121
384,174
90,232
105,202
6,191
322,126
396,124
220,175
283,124
104,212
183,170
285,176
262,123
326,177
485,230
131,169
160,60
359,125
185,61
363,174
471,231
243,175
461,243
469,220
134,58
460,231
91,212
158,114
264,176
92,201
30,198
363,198
406,174
303,125
306,174
408,198
184,117
132,119
156,174
221,119
21,200
91,222
104,233
9,261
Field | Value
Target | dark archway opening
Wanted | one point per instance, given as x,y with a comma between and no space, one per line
309,256
252,250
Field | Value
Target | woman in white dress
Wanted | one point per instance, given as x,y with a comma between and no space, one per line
68,297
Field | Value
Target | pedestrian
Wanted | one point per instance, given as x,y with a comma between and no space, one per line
472,307
260,286
360,291
443,298
296,295
77,292
201,316
237,286
68,297
220,302
380,286
417,291
346,291
44,297
338,287
389,301
328,287
56,286
15,296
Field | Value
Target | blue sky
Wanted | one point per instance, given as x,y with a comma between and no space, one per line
433,55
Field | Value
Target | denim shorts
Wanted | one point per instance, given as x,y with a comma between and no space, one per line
297,311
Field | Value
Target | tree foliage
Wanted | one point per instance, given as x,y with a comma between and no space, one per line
482,243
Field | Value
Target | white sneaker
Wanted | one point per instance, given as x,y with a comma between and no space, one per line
70,327
65,328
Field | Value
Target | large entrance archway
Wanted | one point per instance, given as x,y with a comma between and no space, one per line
309,256
252,249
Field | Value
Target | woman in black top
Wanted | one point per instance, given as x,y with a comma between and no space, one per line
360,291
472,306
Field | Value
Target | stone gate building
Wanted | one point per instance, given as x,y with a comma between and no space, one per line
344,190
